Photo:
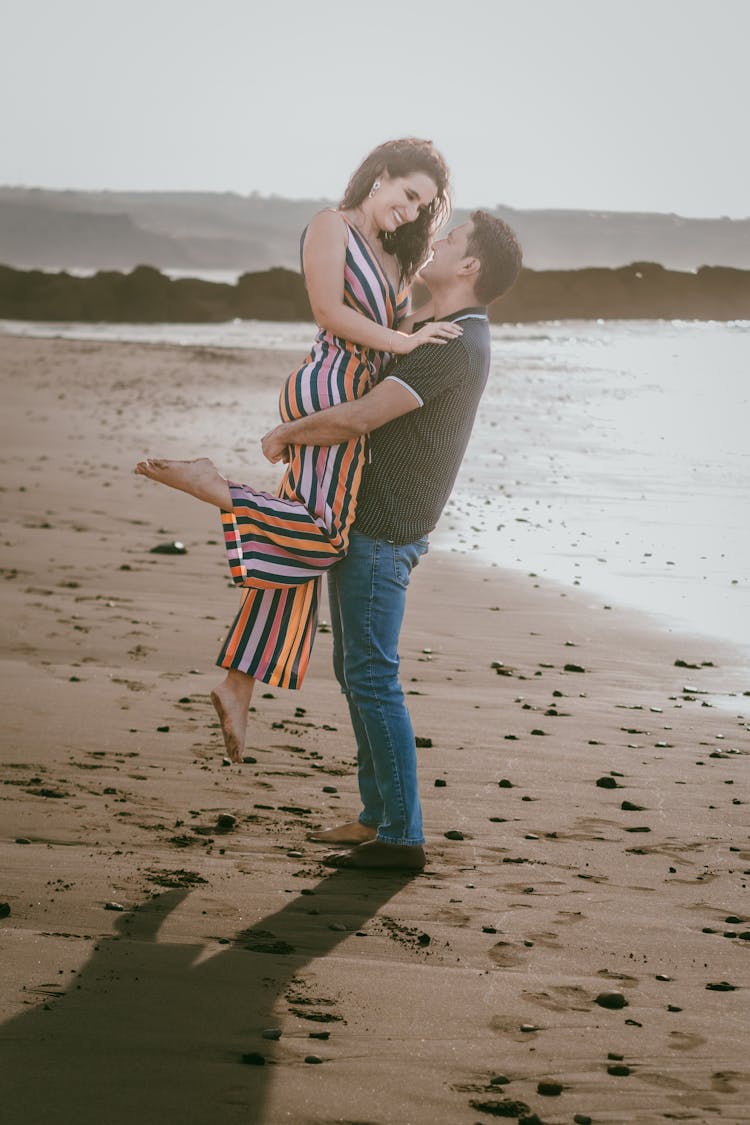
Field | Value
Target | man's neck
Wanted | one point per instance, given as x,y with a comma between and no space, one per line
452,300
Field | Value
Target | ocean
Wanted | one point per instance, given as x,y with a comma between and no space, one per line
611,456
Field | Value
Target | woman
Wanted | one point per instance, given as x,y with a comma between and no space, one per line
358,262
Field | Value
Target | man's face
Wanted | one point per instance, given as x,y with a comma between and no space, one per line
447,254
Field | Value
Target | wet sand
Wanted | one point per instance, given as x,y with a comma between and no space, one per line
173,948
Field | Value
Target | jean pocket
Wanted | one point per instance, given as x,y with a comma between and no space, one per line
406,557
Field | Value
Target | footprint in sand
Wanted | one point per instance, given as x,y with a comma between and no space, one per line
684,1041
505,954
564,998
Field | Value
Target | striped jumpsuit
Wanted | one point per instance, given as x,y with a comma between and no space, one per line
279,546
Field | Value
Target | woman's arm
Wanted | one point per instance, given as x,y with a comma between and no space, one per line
324,258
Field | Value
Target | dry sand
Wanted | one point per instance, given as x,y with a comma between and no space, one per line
444,998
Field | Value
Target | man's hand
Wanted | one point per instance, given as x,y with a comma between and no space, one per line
275,445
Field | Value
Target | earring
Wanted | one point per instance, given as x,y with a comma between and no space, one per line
375,187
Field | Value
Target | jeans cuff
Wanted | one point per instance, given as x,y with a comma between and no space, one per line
402,841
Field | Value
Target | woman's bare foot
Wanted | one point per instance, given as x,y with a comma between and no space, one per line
231,700
353,833
199,478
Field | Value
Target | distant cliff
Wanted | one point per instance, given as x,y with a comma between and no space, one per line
214,231
639,291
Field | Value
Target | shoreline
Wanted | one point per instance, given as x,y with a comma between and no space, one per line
598,835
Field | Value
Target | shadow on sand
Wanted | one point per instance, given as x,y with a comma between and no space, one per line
149,1033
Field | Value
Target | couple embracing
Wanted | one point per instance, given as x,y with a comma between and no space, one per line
374,427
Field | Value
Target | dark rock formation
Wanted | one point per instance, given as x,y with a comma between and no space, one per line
642,291
147,296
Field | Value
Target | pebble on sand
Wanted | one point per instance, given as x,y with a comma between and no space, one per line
453,834
612,1000
253,1058
173,548
606,783
504,1108
4,909
549,1089
113,906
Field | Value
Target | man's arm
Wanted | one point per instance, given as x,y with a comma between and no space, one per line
388,400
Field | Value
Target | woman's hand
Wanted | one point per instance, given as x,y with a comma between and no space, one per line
275,446
435,332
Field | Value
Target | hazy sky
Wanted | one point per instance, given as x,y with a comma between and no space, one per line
604,104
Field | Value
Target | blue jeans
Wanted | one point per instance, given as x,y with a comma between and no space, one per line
367,595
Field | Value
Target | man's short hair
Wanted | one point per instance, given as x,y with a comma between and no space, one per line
495,245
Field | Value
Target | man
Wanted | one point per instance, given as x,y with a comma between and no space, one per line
420,417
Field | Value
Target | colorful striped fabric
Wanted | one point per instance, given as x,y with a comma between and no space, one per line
278,546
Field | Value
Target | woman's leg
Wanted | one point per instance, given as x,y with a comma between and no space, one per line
231,700
199,478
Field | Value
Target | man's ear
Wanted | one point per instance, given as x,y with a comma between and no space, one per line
470,267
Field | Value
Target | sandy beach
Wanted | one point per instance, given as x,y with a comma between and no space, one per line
174,951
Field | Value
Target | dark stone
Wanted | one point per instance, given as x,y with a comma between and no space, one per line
4,909
113,906
606,783
574,668
499,1080
538,731
314,1060
424,743
582,1119
612,1000
253,1058
272,1033
505,784
721,986
453,834
163,730
319,1035
225,822
628,806
618,1070
549,1089
22,840
440,783
424,939
504,1108
330,789
173,548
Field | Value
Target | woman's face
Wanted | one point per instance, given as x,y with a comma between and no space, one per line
400,199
